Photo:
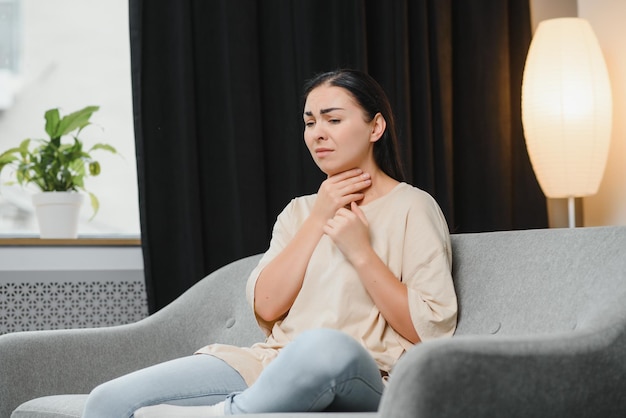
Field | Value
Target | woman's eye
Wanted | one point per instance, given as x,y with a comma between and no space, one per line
309,124
334,121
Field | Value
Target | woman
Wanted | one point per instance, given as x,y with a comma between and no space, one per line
354,276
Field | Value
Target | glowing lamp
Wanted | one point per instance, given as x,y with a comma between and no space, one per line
566,109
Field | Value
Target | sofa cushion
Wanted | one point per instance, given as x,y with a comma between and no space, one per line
71,406
57,406
538,281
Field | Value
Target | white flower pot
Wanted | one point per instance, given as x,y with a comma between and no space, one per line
57,213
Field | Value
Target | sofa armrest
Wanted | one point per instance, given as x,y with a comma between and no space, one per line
576,374
41,363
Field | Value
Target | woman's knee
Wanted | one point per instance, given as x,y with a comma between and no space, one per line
330,350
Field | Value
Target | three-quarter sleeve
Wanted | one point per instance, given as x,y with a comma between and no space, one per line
427,271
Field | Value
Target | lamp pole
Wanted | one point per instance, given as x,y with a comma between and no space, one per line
571,211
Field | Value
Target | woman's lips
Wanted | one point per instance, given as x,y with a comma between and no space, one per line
322,152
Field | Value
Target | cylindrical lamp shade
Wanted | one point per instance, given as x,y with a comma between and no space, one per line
566,108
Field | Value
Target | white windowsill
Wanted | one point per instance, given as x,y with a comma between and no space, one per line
89,254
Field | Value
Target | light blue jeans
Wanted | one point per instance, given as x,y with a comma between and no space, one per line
320,370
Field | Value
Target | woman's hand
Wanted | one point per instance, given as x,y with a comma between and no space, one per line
349,230
339,191
280,281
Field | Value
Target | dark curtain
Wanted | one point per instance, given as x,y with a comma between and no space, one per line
218,116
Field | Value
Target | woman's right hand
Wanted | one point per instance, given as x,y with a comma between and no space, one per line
339,191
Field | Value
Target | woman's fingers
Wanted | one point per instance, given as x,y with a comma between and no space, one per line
340,191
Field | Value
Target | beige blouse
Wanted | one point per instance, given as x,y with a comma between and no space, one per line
409,233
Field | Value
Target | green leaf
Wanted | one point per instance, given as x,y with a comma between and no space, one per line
9,153
52,122
23,148
8,157
76,120
6,160
105,147
19,175
77,181
78,167
95,204
94,168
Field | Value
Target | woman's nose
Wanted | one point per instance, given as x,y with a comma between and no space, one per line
319,133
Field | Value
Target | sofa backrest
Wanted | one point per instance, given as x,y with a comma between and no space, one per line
539,281
214,310
507,283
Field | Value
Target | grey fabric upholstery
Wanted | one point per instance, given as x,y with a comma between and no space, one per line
556,302
40,363
71,406
54,406
541,333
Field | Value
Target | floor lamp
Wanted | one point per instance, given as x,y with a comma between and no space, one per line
566,109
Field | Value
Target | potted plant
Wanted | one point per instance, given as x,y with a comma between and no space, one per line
58,170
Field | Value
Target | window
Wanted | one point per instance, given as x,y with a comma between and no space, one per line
69,54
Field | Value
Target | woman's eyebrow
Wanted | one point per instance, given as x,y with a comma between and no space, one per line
323,111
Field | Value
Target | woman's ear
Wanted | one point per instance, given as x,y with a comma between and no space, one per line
379,124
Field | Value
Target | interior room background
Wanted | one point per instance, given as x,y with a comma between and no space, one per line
216,90
217,86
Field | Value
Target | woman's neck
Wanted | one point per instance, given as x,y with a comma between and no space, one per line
381,185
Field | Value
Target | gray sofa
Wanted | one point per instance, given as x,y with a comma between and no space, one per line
541,333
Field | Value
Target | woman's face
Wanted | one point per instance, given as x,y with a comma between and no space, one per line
336,130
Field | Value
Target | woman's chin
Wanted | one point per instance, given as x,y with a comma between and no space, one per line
333,170
330,173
